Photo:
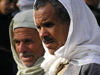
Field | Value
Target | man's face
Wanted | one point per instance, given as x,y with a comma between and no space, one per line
28,45
7,6
51,30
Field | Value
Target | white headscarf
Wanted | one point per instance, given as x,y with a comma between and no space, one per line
24,19
83,42
25,4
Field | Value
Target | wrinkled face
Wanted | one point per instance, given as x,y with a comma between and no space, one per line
51,30
7,6
28,45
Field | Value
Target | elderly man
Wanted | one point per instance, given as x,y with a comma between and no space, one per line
26,45
70,36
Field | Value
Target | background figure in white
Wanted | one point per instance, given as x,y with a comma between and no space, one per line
25,4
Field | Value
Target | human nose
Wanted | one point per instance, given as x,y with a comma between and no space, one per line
43,32
22,47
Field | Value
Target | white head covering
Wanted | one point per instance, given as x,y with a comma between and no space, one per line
25,4
83,42
24,19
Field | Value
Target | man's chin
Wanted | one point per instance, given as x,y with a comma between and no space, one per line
51,51
28,64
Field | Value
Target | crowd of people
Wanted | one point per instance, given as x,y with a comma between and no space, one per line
50,37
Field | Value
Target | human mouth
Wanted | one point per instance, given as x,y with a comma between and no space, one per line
26,56
48,42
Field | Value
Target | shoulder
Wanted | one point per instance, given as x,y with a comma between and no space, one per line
90,69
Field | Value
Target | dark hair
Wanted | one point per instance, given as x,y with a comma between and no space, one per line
61,12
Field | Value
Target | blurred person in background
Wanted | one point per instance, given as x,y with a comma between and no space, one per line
7,7
25,4
26,45
94,5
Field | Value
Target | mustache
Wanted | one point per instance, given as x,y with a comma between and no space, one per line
26,54
47,39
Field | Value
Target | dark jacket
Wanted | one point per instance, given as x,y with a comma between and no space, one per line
90,69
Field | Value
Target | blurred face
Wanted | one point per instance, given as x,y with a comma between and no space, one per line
51,30
28,45
7,6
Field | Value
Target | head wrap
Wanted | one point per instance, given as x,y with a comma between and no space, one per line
83,42
25,4
24,19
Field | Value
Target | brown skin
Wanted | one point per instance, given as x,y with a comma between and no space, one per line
92,2
51,30
27,40
17,4
7,6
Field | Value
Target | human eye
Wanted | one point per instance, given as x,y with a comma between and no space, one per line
27,40
49,24
16,41
38,27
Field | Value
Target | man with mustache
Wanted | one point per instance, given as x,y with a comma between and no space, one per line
26,45
70,35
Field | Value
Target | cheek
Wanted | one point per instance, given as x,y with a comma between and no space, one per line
17,50
39,31
32,47
54,33
4,4
58,35
35,48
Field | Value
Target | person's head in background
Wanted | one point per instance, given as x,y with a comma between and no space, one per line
25,4
94,3
26,45
7,6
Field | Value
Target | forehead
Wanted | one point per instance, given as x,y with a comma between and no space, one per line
45,12
23,32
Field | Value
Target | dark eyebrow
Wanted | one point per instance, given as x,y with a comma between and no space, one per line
14,40
48,24
27,39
